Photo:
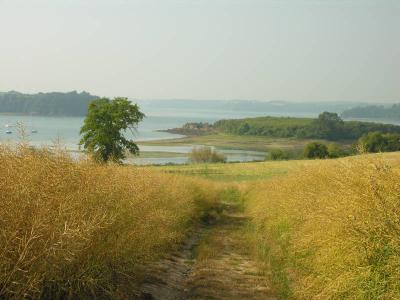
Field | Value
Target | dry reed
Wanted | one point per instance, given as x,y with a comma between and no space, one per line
76,229
332,230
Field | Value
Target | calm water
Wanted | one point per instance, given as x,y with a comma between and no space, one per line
66,130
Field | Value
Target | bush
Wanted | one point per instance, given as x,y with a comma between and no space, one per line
278,154
334,151
379,142
316,150
206,155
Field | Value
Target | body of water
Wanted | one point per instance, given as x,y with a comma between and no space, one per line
44,131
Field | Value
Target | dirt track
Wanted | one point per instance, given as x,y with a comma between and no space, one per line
213,264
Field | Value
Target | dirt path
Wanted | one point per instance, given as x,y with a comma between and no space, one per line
214,264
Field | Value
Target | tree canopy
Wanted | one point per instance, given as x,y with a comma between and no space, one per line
327,126
316,150
379,142
46,104
105,125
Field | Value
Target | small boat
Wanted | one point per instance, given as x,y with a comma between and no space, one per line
34,131
8,131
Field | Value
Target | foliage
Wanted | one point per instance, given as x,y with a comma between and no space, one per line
278,154
79,230
316,150
104,127
53,104
335,151
379,142
331,230
264,126
206,155
327,126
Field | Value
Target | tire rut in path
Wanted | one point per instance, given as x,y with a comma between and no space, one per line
214,263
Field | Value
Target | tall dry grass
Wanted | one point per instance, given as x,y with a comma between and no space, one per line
332,230
79,230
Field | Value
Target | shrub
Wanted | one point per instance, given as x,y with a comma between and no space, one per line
206,155
278,154
334,151
379,142
316,150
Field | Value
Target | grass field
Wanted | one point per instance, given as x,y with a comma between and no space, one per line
237,172
301,229
322,229
156,154
245,142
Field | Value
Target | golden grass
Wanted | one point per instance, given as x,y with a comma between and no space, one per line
331,230
238,172
76,229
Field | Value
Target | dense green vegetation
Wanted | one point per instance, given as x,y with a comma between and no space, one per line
327,126
374,142
374,111
48,104
316,150
104,127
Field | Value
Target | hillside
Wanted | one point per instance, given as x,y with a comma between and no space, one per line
391,112
47,104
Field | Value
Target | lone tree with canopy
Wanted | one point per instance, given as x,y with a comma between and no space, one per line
104,127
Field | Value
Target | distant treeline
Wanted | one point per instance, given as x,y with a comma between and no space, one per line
48,104
374,111
327,126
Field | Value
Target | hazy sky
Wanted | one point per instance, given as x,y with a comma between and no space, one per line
203,49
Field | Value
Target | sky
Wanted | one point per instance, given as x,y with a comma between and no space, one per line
293,50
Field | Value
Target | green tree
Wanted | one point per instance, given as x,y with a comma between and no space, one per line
316,150
104,127
244,128
328,125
